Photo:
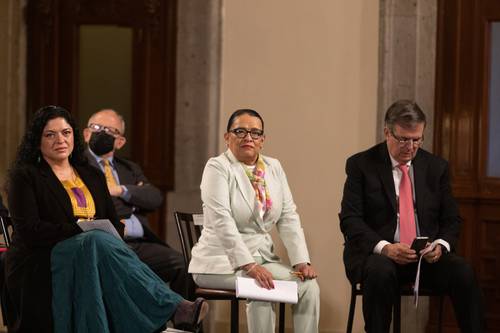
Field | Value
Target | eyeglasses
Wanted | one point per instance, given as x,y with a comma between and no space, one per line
109,130
403,142
241,133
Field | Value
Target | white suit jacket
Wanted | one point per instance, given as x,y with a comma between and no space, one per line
233,229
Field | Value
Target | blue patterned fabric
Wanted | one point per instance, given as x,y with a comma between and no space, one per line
100,285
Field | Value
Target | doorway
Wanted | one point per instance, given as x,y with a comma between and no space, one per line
467,134
86,55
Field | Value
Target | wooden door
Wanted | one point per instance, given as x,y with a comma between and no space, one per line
54,32
467,132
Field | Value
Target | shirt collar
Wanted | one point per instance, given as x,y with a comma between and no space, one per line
396,163
233,158
99,158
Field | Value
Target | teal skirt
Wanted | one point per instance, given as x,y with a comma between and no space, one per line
100,285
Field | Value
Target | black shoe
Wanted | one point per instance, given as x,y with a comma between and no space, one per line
188,315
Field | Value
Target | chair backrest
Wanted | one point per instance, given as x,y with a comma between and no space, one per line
189,233
4,224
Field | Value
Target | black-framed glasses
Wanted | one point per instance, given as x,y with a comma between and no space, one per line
241,133
403,142
108,129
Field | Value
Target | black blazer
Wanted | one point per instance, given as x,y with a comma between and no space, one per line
369,210
42,216
145,197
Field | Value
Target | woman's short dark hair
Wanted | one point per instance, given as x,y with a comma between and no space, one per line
29,149
240,112
404,113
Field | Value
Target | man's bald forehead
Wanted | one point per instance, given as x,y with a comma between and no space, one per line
108,113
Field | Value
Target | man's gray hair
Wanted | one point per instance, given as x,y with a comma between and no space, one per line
404,113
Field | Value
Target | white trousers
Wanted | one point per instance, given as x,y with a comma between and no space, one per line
260,315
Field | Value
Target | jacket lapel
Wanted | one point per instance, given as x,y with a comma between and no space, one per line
91,159
384,168
123,171
244,185
57,189
420,166
275,190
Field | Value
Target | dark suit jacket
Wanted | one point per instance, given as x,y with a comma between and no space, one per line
144,198
42,216
369,210
3,210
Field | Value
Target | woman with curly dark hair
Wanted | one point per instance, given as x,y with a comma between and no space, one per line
59,278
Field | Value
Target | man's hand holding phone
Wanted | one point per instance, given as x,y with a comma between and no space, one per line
420,243
434,255
401,253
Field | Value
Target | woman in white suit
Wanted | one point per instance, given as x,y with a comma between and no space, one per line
244,195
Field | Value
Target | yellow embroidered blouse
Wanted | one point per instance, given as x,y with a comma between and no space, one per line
81,199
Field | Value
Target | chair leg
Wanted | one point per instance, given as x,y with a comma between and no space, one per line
352,307
281,328
440,314
396,317
234,316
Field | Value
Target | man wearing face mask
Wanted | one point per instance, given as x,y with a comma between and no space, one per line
133,197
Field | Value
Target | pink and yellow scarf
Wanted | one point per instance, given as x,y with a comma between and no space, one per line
259,185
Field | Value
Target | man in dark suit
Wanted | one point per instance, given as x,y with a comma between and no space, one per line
394,192
133,197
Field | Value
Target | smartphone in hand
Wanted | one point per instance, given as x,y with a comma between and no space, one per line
419,243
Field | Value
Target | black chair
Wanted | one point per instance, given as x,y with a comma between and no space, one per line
189,233
405,290
4,223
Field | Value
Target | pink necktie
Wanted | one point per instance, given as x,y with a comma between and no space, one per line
407,229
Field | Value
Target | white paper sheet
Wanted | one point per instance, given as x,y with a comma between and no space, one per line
284,291
101,224
417,277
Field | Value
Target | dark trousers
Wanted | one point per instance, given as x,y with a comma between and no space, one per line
166,262
451,275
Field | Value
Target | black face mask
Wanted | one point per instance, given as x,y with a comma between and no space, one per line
101,143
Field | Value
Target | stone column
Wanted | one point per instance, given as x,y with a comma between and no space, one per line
13,82
197,110
408,31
